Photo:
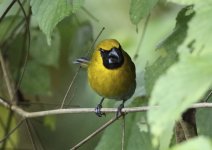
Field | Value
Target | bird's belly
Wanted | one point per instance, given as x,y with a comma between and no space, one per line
114,84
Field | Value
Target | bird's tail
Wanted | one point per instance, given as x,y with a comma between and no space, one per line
82,61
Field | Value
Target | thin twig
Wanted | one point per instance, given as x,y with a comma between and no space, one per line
30,134
10,88
6,76
27,32
76,74
123,133
2,124
142,37
8,125
7,10
12,131
9,27
92,46
208,96
69,88
95,132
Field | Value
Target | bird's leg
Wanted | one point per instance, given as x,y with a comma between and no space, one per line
98,108
120,108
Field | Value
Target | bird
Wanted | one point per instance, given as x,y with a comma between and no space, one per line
111,73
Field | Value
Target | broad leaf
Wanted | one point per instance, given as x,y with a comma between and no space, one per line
198,37
76,4
140,9
204,123
183,84
195,144
184,2
191,73
168,49
48,13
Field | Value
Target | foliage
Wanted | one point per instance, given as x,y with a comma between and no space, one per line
48,13
136,13
187,80
168,49
195,144
179,76
137,135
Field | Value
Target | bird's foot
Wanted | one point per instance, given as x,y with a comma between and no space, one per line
119,111
98,111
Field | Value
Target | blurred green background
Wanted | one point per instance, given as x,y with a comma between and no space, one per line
50,69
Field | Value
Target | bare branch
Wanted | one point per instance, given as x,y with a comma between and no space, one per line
26,114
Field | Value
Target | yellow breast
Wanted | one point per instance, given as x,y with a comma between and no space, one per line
118,83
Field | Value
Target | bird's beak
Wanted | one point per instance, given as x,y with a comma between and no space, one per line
113,56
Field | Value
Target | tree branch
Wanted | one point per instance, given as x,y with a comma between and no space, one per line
26,114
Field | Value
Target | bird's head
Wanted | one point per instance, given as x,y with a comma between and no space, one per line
111,53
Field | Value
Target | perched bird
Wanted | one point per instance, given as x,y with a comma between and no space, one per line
111,73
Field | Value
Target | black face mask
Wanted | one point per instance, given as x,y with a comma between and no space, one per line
113,58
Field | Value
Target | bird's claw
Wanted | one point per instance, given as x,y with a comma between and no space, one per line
98,111
119,112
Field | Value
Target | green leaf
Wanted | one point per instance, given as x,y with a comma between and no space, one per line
198,143
168,50
168,56
140,9
183,84
204,123
76,5
36,80
137,135
199,37
48,13
184,2
42,52
7,26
